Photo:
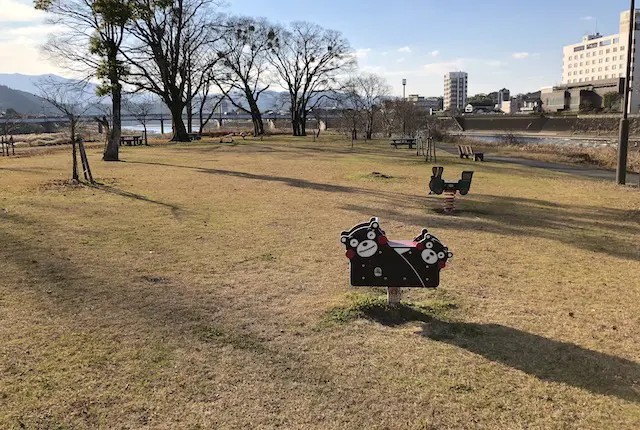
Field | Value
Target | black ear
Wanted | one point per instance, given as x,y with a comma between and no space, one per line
343,239
374,222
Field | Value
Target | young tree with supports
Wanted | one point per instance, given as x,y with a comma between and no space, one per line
245,47
308,61
172,52
94,31
70,99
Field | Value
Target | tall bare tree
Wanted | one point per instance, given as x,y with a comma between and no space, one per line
366,94
70,98
245,46
172,52
208,103
90,44
308,60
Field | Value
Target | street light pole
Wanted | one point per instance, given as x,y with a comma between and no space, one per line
623,141
404,107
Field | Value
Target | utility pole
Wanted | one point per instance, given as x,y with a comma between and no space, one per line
623,142
404,107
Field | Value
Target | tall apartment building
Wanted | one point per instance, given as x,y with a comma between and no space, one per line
455,90
600,57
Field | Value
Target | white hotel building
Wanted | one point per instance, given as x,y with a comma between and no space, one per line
599,58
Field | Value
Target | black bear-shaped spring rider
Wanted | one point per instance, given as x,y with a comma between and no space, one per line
437,185
379,262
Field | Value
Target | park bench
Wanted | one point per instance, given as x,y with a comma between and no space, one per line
130,140
194,136
466,151
410,141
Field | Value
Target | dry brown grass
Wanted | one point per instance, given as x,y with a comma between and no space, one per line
204,286
603,156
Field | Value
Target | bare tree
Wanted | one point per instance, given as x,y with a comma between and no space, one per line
208,104
70,99
366,93
308,60
172,54
245,68
90,44
402,116
141,111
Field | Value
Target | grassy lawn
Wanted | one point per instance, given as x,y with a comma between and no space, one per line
204,286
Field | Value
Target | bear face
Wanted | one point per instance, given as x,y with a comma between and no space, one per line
364,240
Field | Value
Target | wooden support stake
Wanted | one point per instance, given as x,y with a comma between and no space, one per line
86,170
393,295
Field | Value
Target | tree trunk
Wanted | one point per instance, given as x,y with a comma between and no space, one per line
179,130
113,146
74,157
146,142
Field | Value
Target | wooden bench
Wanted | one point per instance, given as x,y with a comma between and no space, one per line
403,141
466,151
194,136
131,140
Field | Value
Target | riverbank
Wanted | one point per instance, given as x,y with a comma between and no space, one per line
576,150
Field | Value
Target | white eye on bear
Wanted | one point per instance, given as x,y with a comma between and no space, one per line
371,235
440,255
354,242
429,245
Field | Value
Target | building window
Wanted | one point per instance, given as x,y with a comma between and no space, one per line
606,68
615,49
605,42
599,69
614,67
588,54
599,77
608,51
606,60
569,57
593,70
580,63
622,48
578,48
616,40
580,72
600,52
575,64
600,61
580,80
581,55
606,76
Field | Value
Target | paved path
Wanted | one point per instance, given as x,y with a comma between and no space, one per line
589,172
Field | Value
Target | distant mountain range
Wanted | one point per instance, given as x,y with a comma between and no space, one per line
19,92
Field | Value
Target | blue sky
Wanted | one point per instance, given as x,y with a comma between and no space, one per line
515,44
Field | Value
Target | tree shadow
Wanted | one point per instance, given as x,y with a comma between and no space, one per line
175,210
546,359
596,229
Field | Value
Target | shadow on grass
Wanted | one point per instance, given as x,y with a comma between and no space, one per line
175,210
546,359
596,229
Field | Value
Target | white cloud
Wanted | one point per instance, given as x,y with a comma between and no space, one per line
17,11
442,67
362,52
400,60
435,53
22,55
404,49
587,18
520,55
384,54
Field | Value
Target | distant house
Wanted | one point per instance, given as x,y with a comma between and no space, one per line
480,107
